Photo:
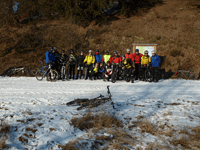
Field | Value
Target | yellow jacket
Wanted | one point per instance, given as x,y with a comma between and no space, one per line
145,60
127,65
90,59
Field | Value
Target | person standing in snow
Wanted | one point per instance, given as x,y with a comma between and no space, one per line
50,57
90,60
155,62
97,59
72,62
80,64
116,60
129,55
145,61
57,60
137,60
106,58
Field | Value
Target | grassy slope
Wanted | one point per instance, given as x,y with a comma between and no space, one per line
174,26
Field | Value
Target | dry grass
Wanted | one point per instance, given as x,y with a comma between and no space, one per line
94,124
31,129
187,138
89,121
5,133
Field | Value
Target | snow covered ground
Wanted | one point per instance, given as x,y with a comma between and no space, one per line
37,110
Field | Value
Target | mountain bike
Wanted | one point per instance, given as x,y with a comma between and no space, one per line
21,71
115,73
62,72
187,74
47,71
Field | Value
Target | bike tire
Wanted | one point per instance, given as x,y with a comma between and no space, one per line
53,75
85,72
148,75
68,68
194,76
63,74
40,75
114,78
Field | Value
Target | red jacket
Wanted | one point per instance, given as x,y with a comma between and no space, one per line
129,56
116,59
137,58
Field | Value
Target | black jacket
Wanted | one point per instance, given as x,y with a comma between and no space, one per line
63,58
80,60
57,55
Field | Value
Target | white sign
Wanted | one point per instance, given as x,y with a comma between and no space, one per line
143,48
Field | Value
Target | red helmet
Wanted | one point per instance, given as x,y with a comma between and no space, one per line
108,62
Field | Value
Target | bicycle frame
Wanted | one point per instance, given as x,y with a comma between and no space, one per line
185,73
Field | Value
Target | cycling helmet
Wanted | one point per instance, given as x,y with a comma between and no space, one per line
128,50
97,50
90,51
123,55
116,52
63,51
146,52
55,48
71,50
51,47
108,62
82,51
106,51
137,50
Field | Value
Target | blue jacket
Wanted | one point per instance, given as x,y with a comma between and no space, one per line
97,58
49,56
155,61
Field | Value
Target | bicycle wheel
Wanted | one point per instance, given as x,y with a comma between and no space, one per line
194,76
67,74
148,75
85,72
114,77
40,74
63,73
53,75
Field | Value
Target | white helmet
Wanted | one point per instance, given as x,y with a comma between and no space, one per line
128,50
153,52
90,51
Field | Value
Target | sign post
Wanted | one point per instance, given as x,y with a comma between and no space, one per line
143,47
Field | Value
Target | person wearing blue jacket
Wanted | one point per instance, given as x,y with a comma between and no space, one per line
155,63
97,57
50,57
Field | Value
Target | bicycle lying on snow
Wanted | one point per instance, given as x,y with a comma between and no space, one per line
21,71
187,74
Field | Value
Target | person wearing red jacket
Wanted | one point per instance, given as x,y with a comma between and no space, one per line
137,60
116,59
129,55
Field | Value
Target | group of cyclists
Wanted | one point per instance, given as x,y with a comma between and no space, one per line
127,67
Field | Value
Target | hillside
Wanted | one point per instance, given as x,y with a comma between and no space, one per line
174,25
